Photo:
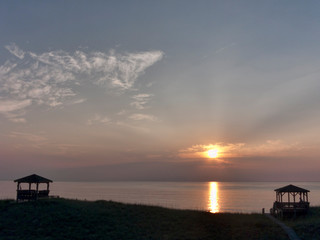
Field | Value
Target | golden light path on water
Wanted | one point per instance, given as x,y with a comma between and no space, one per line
213,204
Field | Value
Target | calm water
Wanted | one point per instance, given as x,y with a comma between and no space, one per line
209,196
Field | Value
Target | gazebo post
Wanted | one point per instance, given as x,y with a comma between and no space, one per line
37,190
304,196
18,185
300,199
294,197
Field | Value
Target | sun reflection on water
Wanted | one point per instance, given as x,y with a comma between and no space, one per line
213,204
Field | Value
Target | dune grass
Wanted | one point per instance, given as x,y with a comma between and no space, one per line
72,219
308,226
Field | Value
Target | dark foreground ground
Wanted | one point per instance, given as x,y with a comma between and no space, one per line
307,227
71,219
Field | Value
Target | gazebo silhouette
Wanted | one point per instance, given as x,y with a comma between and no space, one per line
32,194
296,202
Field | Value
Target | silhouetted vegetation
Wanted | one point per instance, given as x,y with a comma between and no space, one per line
72,219
308,226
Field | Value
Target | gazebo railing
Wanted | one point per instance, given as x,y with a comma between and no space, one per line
291,205
31,194
26,194
43,193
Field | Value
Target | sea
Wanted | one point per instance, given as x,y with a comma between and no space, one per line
214,197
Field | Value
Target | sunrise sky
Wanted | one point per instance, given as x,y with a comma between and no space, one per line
142,90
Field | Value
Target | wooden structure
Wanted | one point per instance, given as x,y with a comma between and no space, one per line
290,201
30,193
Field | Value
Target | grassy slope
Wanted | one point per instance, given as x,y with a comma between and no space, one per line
71,219
307,227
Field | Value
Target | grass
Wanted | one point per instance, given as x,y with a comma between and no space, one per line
72,219
308,226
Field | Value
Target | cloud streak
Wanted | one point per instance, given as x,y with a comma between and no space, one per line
119,71
237,150
14,109
15,50
97,119
51,78
140,100
10,106
140,117
29,139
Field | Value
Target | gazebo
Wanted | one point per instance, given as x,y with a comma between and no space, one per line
32,194
290,200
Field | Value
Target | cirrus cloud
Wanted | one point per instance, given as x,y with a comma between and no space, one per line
10,106
52,78
140,117
15,50
98,119
140,100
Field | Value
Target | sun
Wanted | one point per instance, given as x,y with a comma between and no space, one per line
212,153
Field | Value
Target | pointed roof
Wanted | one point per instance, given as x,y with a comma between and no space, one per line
34,178
291,188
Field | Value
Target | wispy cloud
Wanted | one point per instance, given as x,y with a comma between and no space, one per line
78,101
11,105
29,139
51,78
14,109
68,149
140,100
123,70
97,119
28,136
15,50
224,48
139,117
117,70
16,119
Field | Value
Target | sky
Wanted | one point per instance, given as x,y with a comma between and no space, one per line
142,90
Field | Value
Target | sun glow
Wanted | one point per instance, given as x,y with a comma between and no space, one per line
213,153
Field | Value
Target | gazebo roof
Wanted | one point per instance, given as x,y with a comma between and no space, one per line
291,188
34,178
